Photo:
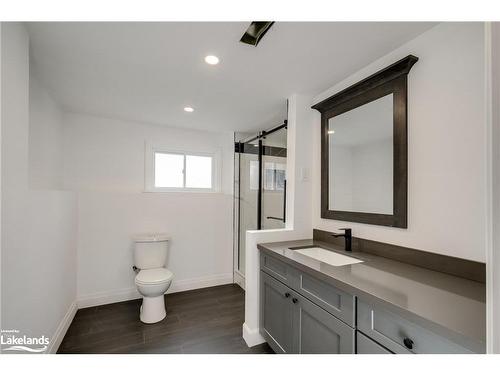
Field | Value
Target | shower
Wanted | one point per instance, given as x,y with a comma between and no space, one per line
259,188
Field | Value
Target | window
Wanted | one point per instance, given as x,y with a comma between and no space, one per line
169,170
274,176
180,171
254,175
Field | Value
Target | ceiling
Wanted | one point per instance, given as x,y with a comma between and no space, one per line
150,71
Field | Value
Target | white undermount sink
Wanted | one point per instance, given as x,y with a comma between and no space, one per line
330,257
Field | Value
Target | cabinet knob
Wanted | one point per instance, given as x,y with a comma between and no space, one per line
295,300
287,294
408,342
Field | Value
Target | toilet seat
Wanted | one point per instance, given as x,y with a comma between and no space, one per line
154,276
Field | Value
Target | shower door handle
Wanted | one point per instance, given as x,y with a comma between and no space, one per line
275,218
284,206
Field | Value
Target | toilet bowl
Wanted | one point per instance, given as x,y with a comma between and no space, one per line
152,285
153,278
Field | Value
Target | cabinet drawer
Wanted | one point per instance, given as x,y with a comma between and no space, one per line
364,345
400,335
333,300
278,269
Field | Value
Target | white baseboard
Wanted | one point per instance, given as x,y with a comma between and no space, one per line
239,279
110,296
200,282
120,295
252,336
61,329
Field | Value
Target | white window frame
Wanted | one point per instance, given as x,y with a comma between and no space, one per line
149,170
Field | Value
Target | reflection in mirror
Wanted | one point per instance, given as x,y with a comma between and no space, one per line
361,158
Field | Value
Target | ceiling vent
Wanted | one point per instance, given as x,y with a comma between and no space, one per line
255,32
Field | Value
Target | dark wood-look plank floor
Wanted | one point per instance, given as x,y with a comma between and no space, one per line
205,320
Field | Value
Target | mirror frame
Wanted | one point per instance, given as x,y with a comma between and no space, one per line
391,80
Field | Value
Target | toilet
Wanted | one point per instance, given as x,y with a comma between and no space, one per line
153,279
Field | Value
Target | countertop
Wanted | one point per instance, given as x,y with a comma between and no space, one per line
448,305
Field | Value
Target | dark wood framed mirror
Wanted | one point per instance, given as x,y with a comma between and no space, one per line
364,149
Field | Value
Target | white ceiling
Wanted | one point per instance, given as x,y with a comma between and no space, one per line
150,71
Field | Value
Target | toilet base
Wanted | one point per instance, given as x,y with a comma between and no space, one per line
153,309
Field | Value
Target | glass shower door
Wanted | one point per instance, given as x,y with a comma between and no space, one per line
259,188
248,185
273,208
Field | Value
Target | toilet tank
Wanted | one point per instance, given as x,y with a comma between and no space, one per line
150,250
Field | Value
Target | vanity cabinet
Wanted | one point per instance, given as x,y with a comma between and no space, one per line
293,324
302,314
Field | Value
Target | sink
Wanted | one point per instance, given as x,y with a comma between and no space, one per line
326,256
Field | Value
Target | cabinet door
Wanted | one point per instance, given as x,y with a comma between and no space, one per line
317,331
276,314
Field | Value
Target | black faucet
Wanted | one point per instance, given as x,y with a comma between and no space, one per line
348,237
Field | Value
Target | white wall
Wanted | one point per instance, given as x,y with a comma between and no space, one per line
108,155
446,135
104,163
38,226
45,138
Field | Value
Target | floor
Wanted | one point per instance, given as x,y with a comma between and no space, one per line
205,320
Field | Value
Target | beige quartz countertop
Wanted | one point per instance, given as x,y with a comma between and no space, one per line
449,305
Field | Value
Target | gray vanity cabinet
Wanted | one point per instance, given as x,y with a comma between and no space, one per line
293,324
302,313
318,332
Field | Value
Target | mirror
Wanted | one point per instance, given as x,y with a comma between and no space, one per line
361,158
364,149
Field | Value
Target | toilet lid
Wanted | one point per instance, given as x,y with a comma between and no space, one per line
154,276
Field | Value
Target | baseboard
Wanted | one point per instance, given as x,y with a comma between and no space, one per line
61,329
200,282
103,298
239,279
252,336
111,296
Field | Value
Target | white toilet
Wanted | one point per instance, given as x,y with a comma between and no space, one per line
153,279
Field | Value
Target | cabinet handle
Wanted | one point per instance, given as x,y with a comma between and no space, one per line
287,295
295,300
408,342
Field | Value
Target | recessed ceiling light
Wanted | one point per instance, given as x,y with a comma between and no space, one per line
188,109
211,60
331,131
